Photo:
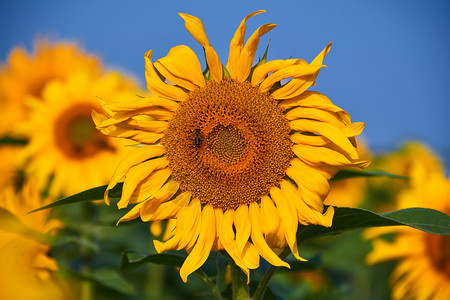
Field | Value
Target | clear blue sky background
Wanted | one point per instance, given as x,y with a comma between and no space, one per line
389,65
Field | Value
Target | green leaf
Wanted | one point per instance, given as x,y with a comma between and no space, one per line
346,218
429,220
10,223
111,279
345,174
131,260
96,193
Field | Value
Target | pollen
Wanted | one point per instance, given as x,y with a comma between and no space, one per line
228,144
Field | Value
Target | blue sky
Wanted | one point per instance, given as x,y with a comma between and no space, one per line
389,65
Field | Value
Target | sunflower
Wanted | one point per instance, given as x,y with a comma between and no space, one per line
423,269
63,142
24,259
234,156
26,75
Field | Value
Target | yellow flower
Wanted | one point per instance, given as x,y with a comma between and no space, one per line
412,157
237,159
26,75
423,270
27,272
63,142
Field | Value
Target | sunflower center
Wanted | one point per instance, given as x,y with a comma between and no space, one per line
76,135
228,144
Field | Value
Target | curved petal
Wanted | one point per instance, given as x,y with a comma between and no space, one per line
227,237
187,230
317,155
134,158
329,131
260,73
243,226
298,84
150,185
181,67
137,174
258,238
138,102
272,224
289,220
314,114
292,71
195,27
237,43
165,193
156,86
167,210
203,246
319,58
247,54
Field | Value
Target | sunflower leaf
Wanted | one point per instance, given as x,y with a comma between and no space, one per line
88,195
346,218
345,174
110,279
131,260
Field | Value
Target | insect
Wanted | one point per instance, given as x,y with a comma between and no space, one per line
197,139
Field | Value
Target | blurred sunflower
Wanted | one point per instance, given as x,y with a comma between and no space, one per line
27,271
26,75
423,269
404,162
63,142
232,154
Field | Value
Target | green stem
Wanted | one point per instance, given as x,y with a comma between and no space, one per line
262,286
86,286
238,282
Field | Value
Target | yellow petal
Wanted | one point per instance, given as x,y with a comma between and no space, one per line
203,246
298,84
187,230
135,157
319,58
250,256
272,224
227,237
136,175
292,71
353,129
260,73
299,138
317,155
167,210
165,193
329,131
258,238
195,27
247,54
236,45
314,114
289,220
138,103
156,86
315,100
150,185
132,214
243,226
181,67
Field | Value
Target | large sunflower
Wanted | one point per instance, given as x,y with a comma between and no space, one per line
423,269
236,158
26,75
64,145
